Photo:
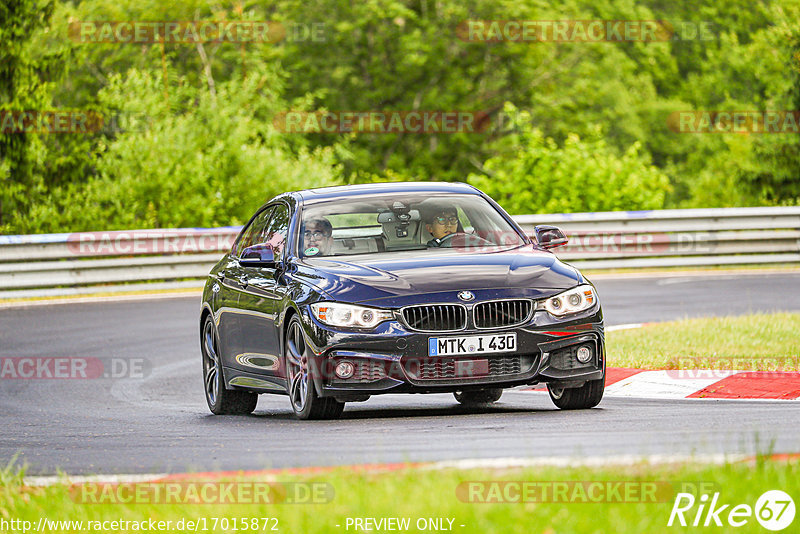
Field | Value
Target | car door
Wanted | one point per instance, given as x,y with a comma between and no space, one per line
261,298
232,282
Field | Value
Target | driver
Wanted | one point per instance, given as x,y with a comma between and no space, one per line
441,222
317,237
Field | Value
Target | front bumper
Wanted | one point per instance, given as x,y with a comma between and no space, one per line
394,359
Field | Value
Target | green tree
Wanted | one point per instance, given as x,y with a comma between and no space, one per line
392,55
775,172
536,175
22,88
195,158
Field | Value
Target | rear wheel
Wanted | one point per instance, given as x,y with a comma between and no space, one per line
305,401
586,396
480,396
221,401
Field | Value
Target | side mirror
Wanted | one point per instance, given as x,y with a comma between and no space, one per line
550,236
258,256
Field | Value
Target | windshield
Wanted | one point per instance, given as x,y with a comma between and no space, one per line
402,222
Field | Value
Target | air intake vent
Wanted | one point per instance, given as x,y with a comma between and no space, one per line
501,313
445,369
436,318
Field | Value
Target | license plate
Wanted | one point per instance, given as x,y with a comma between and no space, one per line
452,346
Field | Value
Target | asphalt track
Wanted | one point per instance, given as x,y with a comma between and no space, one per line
160,423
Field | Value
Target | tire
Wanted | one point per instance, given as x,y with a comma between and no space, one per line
221,401
586,396
478,397
303,397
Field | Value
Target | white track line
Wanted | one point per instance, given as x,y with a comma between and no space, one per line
91,479
467,463
589,461
629,326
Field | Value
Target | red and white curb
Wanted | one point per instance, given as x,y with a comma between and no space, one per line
699,384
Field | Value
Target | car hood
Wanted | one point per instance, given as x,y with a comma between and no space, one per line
523,271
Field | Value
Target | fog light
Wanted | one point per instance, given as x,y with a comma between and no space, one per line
584,354
345,369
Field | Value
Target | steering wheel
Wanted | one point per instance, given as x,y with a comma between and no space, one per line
472,239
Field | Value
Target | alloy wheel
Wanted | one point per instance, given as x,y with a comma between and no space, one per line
297,367
210,363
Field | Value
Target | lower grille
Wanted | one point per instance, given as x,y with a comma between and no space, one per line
565,360
437,370
368,370
436,317
509,365
445,369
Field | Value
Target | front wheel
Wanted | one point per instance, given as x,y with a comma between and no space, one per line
221,401
586,396
305,401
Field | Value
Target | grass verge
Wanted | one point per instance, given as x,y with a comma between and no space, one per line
584,507
759,342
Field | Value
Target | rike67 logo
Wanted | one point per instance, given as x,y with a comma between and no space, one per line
774,510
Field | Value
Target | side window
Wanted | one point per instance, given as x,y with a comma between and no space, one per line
254,231
276,231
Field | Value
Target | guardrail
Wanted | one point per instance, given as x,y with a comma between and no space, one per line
600,240
676,238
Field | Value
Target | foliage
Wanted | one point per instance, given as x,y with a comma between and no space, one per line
191,158
536,175
210,154
775,170
22,87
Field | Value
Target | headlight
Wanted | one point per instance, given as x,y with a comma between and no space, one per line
571,301
338,314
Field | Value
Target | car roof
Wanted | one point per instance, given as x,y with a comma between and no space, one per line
344,191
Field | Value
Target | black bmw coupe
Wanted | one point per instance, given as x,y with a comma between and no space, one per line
335,294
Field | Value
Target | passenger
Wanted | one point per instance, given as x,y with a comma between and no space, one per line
317,237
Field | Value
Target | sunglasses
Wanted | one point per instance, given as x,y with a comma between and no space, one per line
315,235
445,220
